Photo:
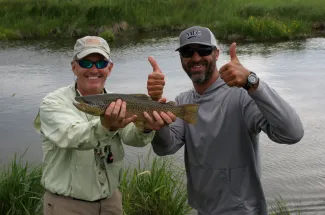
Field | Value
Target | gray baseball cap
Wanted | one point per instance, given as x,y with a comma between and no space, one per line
197,35
91,44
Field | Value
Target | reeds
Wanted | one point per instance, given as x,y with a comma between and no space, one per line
20,189
154,187
229,19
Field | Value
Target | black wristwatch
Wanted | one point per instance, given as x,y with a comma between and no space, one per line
251,80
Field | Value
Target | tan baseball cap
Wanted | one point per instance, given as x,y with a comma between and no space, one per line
91,44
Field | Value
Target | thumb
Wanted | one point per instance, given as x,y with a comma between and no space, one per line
232,50
154,64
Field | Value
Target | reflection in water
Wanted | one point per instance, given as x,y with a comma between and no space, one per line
294,69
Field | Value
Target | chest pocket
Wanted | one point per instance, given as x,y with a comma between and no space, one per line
83,158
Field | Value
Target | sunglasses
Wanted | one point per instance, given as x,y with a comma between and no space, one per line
87,64
188,52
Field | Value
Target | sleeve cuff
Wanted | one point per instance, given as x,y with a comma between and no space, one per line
163,132
259,90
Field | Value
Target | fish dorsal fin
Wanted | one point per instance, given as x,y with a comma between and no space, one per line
142,96
172,103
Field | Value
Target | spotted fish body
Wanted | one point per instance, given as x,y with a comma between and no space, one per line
136,104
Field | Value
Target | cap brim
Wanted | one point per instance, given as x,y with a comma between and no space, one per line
199,43
86,52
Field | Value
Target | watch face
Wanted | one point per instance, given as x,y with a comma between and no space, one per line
252,79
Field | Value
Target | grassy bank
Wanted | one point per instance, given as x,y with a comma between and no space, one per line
229,19
20,190
153,187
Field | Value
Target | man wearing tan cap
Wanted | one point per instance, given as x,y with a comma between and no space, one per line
82,154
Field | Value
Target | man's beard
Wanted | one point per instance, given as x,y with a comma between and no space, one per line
198,77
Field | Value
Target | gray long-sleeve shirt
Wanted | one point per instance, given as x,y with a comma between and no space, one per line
221,150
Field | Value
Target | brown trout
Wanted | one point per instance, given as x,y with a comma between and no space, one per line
136,104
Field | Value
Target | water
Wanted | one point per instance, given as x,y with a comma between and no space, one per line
296,70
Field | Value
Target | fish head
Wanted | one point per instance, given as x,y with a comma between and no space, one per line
79,99
88,108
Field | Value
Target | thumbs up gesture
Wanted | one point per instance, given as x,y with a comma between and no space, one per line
156,82
233,73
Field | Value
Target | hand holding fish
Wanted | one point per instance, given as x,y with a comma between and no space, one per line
233,73
158,121
156,82
114,116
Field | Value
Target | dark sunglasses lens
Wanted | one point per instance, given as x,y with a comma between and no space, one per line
101,64
204,51
186,52
85,64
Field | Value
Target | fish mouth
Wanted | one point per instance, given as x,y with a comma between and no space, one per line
79,100
95,111
80,106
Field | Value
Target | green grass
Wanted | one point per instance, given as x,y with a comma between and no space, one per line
229,19
20,190
153,187
156,188
279,207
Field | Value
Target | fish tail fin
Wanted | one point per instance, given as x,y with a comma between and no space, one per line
190,113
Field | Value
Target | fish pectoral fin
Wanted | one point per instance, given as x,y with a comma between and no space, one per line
142,96
139,125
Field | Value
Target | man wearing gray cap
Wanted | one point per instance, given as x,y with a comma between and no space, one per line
83,154
222,157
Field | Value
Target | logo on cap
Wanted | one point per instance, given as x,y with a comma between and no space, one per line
192,34
92,42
